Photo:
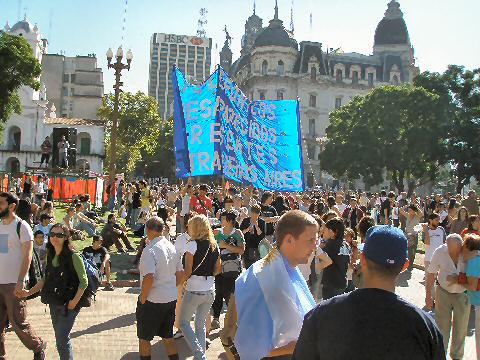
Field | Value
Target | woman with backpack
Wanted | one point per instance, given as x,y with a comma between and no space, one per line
201,263
62,287
232,246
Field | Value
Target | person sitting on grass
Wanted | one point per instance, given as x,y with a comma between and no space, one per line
100,256
45,225
82,222
112,232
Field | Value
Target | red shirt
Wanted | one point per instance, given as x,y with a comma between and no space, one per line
197,207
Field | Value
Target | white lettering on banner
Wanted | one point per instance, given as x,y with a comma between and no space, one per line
196,132
206,108
215,135
286,179
217,163
203,158
190,110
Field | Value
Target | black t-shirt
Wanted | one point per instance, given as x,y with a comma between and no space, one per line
269,211
369,324
136,202
253,238
385,205
97,256
335,275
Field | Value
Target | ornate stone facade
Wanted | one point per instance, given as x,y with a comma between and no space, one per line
273,66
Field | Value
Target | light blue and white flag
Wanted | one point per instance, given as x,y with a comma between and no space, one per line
272,299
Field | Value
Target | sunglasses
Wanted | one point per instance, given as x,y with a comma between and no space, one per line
58,235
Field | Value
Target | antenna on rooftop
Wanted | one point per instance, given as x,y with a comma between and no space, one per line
202,21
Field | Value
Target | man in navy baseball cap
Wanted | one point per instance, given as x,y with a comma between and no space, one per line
386,246
375,322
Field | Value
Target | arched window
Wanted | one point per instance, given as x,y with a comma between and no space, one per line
12,165
264,67
280,68
395,80
14,138
84,143
313,73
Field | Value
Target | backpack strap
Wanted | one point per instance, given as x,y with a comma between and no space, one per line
19,224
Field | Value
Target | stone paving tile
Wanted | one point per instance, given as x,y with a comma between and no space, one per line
107,331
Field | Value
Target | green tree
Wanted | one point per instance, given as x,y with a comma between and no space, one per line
161,162
18,66
138,128
460,90
393,130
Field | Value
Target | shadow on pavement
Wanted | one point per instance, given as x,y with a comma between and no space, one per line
158,351
403,278
116,323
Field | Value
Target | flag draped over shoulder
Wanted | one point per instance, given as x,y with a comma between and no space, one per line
271,298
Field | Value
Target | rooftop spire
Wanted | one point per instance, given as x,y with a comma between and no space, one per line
254,6
393,10
276,10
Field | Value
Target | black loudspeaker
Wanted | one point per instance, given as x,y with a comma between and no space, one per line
71,136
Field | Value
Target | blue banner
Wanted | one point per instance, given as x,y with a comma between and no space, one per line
218,130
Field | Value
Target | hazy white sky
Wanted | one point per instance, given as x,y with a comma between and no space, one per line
442,32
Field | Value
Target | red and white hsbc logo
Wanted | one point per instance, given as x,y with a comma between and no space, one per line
196,41
184,40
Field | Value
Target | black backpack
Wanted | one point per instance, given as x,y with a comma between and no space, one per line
94,280
35,273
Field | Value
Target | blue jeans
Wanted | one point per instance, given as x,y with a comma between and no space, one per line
134,217
198,303
62,325
86,227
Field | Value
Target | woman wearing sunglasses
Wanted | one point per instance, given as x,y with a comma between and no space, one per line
62,286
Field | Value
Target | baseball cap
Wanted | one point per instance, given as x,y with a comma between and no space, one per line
386,245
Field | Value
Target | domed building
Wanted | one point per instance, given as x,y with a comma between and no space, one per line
273,66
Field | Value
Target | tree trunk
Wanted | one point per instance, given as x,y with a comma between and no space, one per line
397,178
412,185
461,182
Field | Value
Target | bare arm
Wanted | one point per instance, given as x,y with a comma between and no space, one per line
27,250
218,267
323,261
283,350
188,267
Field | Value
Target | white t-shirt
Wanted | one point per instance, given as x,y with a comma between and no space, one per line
341,208
437,237
11,256
181,243
198,283
443,215
305,269
443,264
160,258
185,205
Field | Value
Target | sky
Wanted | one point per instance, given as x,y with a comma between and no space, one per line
442,32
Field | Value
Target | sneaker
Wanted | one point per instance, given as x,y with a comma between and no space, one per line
178,335
109,287
215,324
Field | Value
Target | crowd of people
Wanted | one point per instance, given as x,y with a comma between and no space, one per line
204,249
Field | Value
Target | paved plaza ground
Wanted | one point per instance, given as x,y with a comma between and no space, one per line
107,330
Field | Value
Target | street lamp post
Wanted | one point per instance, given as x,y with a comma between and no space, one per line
118,66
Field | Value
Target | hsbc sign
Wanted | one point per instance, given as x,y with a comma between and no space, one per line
184,40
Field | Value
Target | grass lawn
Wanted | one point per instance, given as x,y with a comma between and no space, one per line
119,261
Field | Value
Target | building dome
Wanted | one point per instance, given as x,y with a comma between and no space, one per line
22,25
275,34
392,29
